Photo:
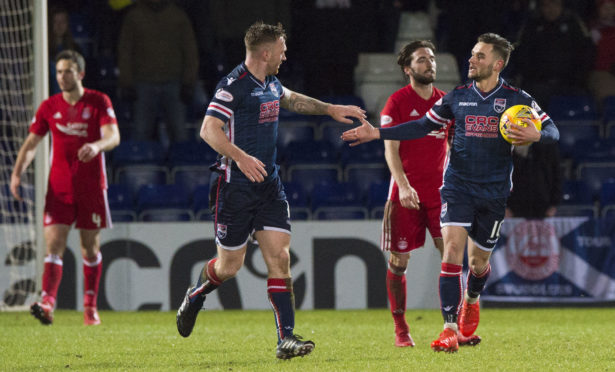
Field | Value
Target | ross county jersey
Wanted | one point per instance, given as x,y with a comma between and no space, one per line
480,160
250,109
71,127
425,176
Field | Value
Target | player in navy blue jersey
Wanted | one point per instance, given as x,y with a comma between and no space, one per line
477,180
247,197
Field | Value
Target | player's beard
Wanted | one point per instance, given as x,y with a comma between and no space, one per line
68,87
422,79
484,75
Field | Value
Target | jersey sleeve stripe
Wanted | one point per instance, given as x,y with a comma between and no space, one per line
544,117
221,109
431,115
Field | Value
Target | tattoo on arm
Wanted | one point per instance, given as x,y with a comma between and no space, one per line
303,104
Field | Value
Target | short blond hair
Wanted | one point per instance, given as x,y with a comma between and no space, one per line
261,33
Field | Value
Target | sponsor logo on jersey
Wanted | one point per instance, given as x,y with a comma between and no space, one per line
221,231
482,126
257,93
86,114
533,250
415,113
110,112
274,90
385,119
499,105
74,129
269,112
57,115
468,104
223,95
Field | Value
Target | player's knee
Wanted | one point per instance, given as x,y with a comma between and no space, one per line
399,261
477,264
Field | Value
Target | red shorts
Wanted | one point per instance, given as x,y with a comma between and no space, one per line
403,229
89,211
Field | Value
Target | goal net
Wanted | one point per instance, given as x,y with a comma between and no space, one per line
18,260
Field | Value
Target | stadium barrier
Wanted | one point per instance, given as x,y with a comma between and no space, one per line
148,266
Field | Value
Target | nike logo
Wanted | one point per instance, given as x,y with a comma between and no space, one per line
448,308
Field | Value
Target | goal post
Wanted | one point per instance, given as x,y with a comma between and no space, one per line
24,74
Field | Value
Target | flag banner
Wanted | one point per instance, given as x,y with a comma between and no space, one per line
560,260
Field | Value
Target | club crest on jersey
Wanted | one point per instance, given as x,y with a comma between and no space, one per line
224,95
443,210
499,105
87,113
385,119
221,231
274,90
402,244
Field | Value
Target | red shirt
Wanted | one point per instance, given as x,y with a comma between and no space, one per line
71,127
422,159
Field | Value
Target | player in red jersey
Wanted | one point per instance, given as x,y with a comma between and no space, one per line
82,125
414,197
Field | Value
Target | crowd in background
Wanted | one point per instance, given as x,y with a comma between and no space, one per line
559,43
160,60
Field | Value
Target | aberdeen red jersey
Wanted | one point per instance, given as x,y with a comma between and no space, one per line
71,127
423,158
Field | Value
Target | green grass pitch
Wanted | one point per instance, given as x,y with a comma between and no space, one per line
579,339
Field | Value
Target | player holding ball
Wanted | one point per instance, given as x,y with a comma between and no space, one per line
477,180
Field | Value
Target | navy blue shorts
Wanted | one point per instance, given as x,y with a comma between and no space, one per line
240,210
482,218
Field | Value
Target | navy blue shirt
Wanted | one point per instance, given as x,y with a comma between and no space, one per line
480,159
249,109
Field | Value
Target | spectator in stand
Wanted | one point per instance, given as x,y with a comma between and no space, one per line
60,38
158,62
537,181
602,78
545,63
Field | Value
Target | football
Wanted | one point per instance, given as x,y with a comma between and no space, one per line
514,114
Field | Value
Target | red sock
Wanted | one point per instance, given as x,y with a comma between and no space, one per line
52,275
396,289
92,269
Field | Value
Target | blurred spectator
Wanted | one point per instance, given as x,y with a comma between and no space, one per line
602,78
158,63
537,181
60,38
554,53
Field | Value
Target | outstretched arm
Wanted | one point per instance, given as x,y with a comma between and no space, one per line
302,104
409,130
24,158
